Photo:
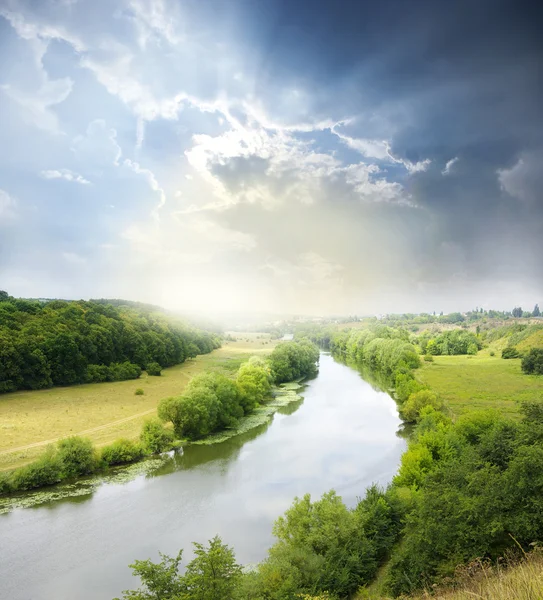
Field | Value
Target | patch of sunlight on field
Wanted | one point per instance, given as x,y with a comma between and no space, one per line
478,382
105,412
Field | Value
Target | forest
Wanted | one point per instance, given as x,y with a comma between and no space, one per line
60,343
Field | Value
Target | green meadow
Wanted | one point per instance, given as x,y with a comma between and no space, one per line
469,383
105,412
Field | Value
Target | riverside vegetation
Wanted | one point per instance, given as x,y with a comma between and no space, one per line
211,403
468,488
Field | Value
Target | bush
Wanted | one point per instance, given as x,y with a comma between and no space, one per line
154,369
77,457
98,374
154,437
510,352
139,392
410,411
492,353
472,349
532,363
428,358
124,371
47,470
121,452
5,483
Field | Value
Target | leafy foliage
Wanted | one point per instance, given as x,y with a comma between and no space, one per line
122,452
510,352
64,342
154,437
154,369
532,363
293,360
213,574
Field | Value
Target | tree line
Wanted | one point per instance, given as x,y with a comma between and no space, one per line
212,402
58,342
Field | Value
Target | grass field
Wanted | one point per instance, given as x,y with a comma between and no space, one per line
104,412
483,381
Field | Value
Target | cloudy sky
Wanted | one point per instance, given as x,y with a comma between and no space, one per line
288,156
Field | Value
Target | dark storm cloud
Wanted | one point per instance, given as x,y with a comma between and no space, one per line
453,80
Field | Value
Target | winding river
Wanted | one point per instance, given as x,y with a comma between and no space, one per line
342,435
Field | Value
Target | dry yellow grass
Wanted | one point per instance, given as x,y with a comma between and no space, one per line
104,412
518,581
523,581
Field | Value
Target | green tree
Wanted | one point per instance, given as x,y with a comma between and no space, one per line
213,574
160,581
410,411
154,369
155,438
536,312
532,363
77,456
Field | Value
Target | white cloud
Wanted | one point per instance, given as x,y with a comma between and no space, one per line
370,148
98,146
523,180
73,258
450,164
378,149
37,104
218,234
65,174
8,206
155,19
152,181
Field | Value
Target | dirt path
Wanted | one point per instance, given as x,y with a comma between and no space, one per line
85,431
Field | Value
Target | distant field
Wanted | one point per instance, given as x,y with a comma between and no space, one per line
105,412
483,381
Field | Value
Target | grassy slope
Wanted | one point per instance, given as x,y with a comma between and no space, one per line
523,581
104,412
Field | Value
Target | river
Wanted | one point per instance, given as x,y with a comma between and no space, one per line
342,435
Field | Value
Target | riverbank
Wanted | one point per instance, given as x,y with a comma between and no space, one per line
282,396
341,435
105,412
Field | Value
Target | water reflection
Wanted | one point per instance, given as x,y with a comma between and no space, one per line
343,435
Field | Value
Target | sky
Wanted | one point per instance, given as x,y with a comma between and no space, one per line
290,157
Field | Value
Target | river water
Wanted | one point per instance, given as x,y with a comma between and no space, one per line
342,435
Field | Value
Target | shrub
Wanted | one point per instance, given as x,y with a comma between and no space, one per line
410,411
5,483
124,371
472,349
533,362
510,352
154,369
405,385
47,470
121,452
139,392
98,374
77,457
492,353
428,358
155,437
